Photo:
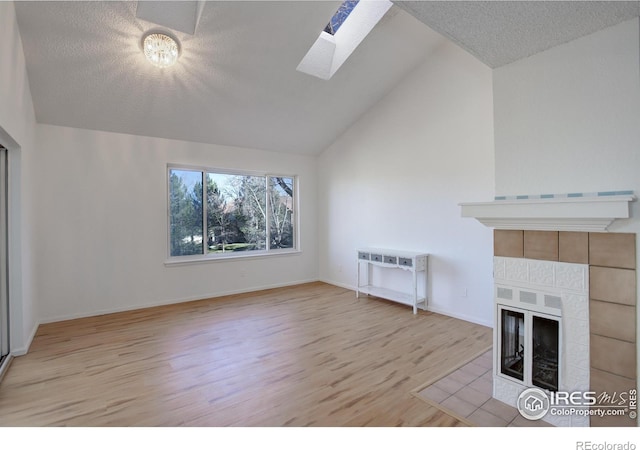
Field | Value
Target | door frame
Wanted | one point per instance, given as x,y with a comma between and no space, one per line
5,309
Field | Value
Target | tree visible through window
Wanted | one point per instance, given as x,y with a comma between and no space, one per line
242,213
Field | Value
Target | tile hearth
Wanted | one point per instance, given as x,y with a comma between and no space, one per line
467,393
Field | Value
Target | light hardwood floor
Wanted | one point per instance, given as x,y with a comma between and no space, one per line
309,355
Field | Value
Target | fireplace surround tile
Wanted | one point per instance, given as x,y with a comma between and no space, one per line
506,391
613,320
541,273
612,285
578,356
611,421
509,243
499,267
602,381
578,378
612,250
572,276
573,247
613,356
576,331
576,306
516,270
541,245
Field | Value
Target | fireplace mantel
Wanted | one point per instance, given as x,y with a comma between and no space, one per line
566,213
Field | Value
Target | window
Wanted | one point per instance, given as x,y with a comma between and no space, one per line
240,213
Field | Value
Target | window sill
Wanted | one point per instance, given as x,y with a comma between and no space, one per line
232,256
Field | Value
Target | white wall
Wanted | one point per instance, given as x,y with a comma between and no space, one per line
395,179
568,119
102,236
17,121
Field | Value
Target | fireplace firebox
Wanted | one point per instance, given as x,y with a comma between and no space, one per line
529,347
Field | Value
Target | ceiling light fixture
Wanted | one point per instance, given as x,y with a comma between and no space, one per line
161,49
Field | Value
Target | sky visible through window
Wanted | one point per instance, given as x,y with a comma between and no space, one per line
191,177
340,16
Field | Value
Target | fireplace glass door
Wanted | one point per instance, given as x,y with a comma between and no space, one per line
512,352
544,370
529,347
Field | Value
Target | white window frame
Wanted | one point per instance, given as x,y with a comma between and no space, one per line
210,257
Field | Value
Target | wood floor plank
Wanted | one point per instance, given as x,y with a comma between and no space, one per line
308,355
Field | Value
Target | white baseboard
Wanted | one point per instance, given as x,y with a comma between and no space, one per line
335,283
25,348
101,312
430,308
464,317
4,365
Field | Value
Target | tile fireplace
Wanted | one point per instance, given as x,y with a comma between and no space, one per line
564,297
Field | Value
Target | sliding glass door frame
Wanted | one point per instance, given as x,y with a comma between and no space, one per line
4,270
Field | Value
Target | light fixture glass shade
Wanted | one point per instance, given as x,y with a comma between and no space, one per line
161,50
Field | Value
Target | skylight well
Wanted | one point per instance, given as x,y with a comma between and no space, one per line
346,29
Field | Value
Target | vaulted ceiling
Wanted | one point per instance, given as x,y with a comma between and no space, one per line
236,84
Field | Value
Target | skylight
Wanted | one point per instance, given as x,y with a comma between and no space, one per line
332,49
340,16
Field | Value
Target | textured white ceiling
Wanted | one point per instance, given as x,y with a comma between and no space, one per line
182,15
235,83
501,32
